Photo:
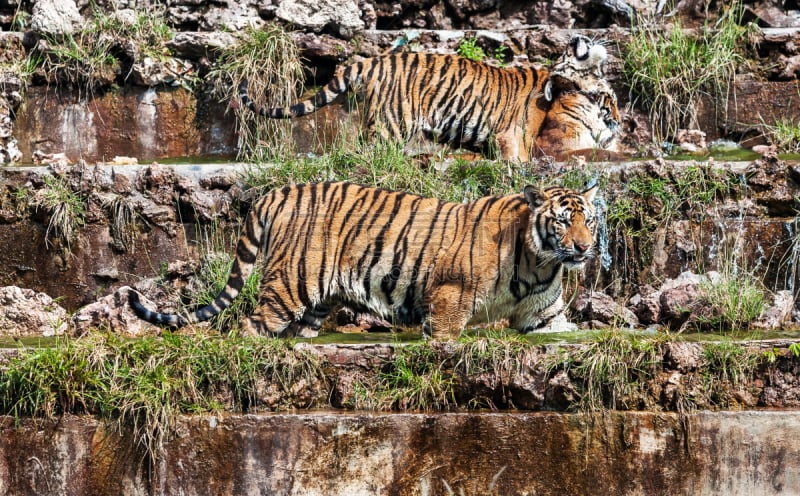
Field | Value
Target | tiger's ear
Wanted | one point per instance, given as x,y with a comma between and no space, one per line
590,193
548,91
534,196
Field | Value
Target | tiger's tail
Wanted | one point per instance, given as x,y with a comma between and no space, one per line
338,85
247,249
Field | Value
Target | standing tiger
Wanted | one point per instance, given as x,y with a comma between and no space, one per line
405,257
452,99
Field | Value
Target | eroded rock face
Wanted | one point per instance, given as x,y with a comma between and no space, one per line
24,312
112,312
601,308
56,17
342,17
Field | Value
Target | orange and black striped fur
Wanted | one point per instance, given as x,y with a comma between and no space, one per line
450,99
581,120
405,257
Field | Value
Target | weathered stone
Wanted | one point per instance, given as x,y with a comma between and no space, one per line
196,45
593,305
691,140
777,313
24,312
56,17
171,71
680,299
231,15
112,312
629,453
683,357
343,18
647,306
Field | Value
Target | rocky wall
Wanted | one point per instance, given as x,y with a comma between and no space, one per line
136,110
414,454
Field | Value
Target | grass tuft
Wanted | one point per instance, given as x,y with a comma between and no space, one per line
67,209
270,61
142,385
669,70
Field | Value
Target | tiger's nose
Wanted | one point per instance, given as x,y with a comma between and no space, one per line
582,248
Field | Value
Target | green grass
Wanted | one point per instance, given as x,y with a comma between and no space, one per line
785,135
669,71
142,385
612,369
416,377
67,209
736,298
384,164
270,61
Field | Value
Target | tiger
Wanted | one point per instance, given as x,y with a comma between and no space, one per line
451,99
411,259
581,120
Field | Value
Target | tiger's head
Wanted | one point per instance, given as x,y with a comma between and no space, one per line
583,115
563,224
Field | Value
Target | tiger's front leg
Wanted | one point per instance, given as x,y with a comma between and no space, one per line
272,315
527,320
446,318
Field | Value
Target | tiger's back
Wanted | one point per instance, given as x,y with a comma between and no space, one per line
405,257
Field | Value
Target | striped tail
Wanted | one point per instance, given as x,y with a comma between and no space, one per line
326,95
246,252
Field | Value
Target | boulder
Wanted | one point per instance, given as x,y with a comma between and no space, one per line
196,45
599,307
56,17
776,314
112,312
342,18
24,312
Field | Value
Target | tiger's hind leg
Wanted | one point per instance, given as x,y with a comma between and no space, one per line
310,323
272,316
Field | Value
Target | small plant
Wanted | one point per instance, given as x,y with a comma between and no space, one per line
612,369
730,362
123,223
736,300
735,295
669,70
415,378
67,209
785,135
469,49
270,61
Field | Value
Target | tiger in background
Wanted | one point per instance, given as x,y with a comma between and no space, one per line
580,121
404,257
451,99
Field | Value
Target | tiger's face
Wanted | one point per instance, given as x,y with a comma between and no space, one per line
563,224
